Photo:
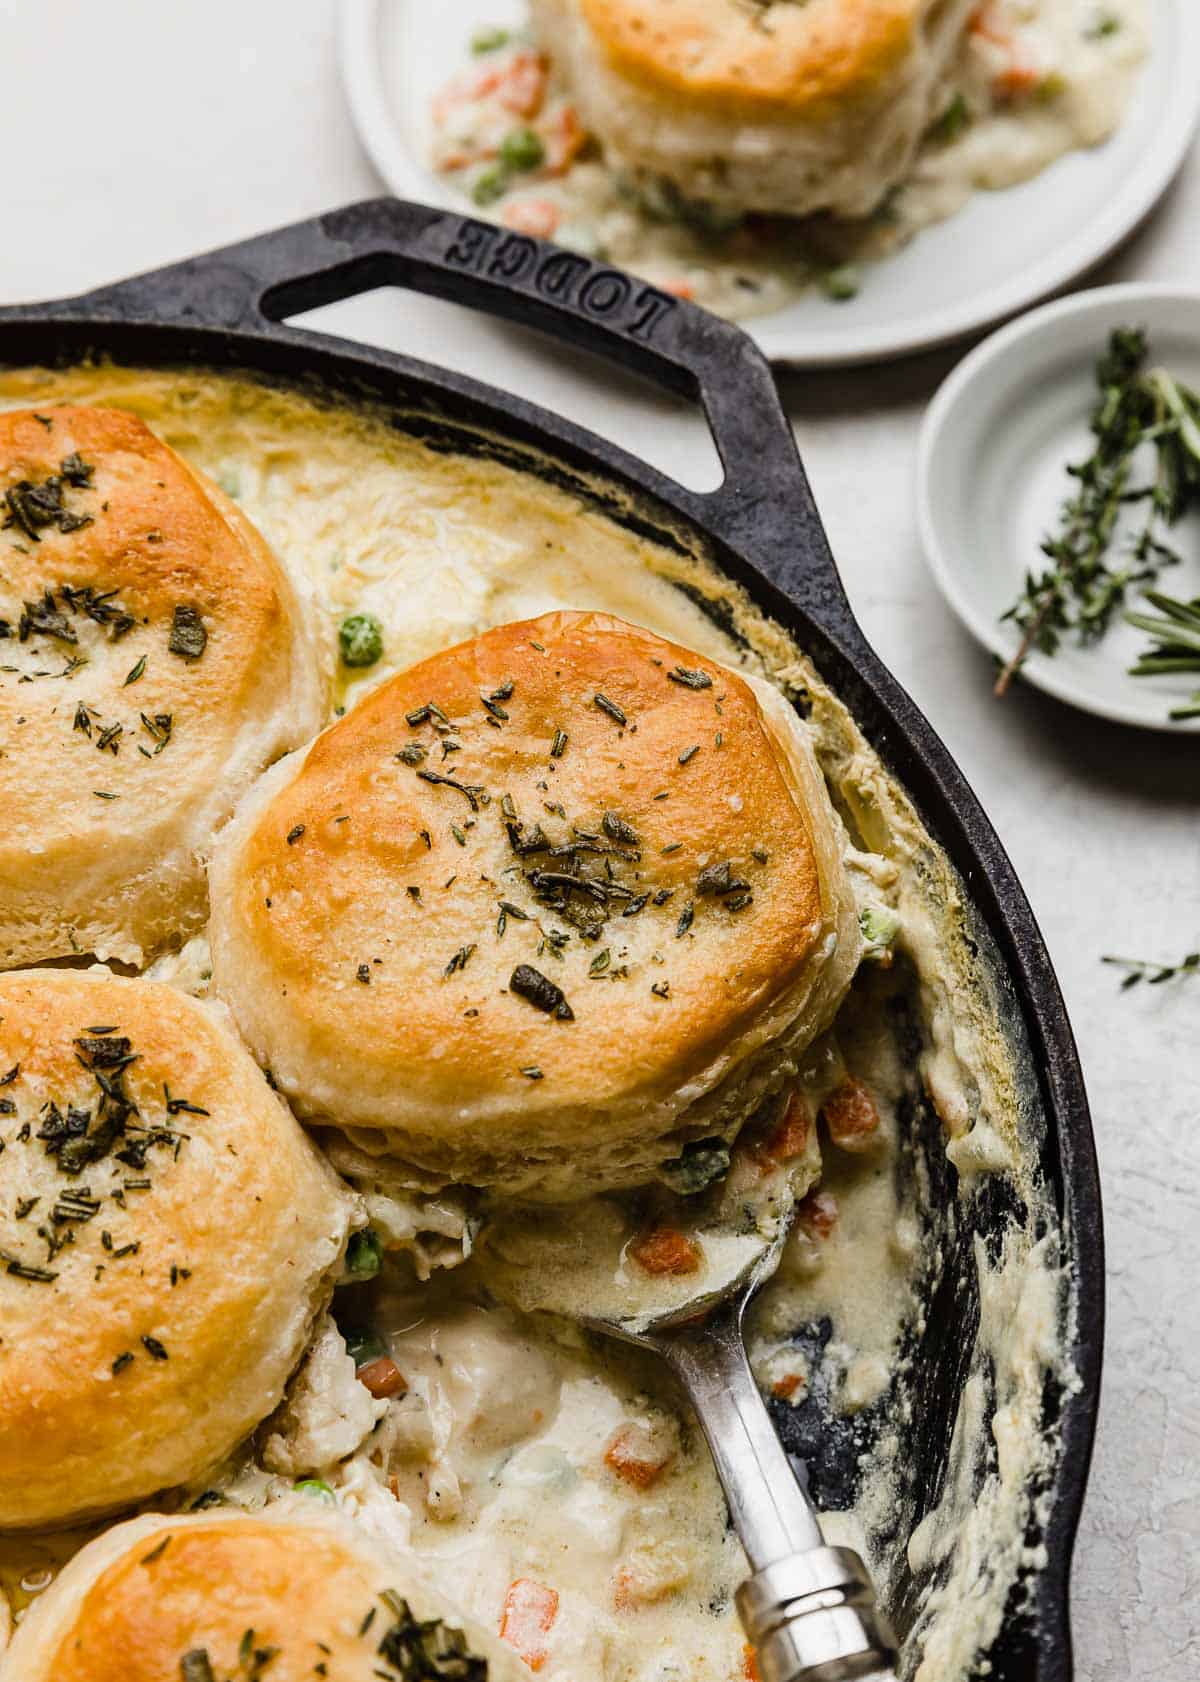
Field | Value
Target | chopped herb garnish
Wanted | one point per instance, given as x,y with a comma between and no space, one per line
74,469
294,834
532,1072
363,973
471,793
618,830
559,745
153,1347
688,755
32,506
188,636
686,918
412,754
719,879
125,1359
541,992
690,679
135,673
459,960
610,707
195,1666
429,1651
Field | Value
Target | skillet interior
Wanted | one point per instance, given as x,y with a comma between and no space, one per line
762,530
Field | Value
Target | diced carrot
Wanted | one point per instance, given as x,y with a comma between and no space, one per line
1017,81
664,1250
465,89
850,1115
537,217
785,1388
634,1458
522,85
529,1610
562,136
790,1138
818,1213
750,1663
383,1378
679,288
983,21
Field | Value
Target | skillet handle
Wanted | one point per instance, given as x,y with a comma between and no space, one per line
387,241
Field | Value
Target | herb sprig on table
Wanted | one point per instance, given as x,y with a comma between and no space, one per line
1154,974
1084,585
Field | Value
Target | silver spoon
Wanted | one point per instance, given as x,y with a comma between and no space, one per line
808,1609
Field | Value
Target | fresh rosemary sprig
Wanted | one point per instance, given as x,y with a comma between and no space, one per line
1080,591
1144,969
1175,645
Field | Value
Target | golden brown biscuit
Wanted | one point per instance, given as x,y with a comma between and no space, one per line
167,1236
153,659
285,1596
753,105
540,909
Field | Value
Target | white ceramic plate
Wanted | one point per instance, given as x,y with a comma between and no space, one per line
991,477
1002,252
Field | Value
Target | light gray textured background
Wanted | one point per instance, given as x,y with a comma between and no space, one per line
137,132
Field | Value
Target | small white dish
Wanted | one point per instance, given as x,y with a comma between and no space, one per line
991,479
1000,253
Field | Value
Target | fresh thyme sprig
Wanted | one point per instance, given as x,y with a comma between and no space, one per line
1154,974
1080,591
1175,644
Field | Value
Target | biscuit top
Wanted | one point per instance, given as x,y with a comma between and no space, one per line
757,55
286,1598
167,1233
149,641
537,892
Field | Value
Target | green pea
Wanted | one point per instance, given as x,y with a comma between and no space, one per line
364,1254
317,1488
879,924
841,284
363,1345
489,40
360,639
522,148
490,185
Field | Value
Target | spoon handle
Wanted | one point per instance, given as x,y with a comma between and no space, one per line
808,1609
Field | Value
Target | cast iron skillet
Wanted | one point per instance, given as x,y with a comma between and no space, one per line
225,311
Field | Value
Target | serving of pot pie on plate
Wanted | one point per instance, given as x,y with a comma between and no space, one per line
571,946
745,153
